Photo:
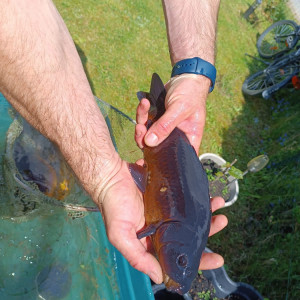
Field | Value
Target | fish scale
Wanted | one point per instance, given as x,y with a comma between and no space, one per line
163,163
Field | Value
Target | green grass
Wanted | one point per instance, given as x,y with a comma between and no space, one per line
261,243
121,43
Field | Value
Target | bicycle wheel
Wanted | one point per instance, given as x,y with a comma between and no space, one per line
279,37
274,76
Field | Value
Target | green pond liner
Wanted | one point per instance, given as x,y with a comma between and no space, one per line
50,252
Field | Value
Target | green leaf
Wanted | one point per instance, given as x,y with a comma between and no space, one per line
238,174
219,174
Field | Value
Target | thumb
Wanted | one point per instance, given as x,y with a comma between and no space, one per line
135,252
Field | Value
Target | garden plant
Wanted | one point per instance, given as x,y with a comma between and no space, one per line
222,176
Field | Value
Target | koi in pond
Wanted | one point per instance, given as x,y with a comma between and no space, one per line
176,199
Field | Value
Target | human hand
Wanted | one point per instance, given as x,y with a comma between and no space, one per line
185,109
123,213
122,209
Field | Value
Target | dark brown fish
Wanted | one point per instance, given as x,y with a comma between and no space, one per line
176,198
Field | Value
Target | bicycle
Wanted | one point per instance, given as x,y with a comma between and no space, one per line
280,37
276,75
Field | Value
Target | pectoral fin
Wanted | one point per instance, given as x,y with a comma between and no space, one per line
151,229
139,175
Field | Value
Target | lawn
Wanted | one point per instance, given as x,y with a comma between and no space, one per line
121,43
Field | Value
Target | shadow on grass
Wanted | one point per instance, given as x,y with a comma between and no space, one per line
84,63
261,244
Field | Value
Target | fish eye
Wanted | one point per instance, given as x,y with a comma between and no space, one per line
182,260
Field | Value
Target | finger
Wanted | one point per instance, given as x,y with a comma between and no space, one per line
195,141
217,224
142,111
211,261
161,129
140,131
140,162
217,203
134,251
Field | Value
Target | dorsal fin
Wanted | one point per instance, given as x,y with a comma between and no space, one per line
156,96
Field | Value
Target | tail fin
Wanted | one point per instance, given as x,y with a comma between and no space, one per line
156,97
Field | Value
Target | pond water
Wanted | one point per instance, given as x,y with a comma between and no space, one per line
54,255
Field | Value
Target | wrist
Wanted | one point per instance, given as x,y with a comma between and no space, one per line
196,66
188,52
105,177
202,82
191,89
116,174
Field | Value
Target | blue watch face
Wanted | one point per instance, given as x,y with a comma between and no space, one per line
198,66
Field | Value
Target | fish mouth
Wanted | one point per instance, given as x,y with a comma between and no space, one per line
172,285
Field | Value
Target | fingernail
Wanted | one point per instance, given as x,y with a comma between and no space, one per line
154,277
151,140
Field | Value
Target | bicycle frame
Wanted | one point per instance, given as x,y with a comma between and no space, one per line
259,59
273,44
287,59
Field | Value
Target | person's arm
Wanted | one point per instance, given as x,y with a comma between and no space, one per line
41,75
191,29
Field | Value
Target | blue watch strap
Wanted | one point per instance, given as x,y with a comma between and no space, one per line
196,65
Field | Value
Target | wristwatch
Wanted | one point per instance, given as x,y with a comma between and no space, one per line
198,66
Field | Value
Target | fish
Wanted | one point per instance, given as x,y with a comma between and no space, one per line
39,166
176,199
